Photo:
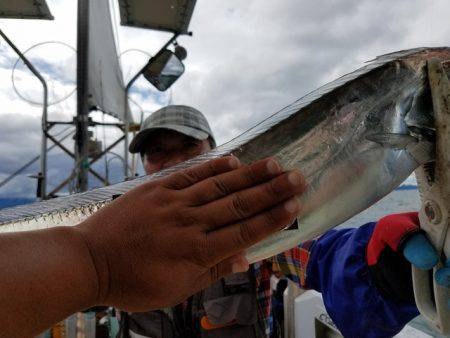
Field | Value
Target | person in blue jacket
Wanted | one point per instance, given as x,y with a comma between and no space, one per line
364,274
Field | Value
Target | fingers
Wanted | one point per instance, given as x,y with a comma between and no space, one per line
240,236
187,177
234,264
246,203
229,182
420,252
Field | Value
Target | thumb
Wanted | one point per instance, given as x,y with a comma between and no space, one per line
420,252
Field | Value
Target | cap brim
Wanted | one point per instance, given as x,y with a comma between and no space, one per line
141,138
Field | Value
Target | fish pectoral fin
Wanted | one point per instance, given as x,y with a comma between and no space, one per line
422,152
392,140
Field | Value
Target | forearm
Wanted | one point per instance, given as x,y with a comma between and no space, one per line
46,276
182,221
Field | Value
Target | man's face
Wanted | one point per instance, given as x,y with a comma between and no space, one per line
166,148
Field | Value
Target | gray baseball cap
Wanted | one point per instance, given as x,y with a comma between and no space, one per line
183,119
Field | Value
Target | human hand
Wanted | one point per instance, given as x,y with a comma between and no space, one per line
396,243
167,239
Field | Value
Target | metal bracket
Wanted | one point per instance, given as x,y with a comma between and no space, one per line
434,186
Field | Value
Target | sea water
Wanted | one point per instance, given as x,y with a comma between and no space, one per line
403,199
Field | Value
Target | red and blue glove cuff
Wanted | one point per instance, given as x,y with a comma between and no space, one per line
389,268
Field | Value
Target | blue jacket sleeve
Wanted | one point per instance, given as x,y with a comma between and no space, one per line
337,268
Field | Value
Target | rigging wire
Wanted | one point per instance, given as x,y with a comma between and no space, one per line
33,160
104,145
49,81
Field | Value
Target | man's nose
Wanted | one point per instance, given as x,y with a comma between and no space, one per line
175,159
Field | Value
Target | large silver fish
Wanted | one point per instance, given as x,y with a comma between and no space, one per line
354,139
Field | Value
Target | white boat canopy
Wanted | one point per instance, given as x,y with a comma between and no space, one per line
106,89
25,9
166,15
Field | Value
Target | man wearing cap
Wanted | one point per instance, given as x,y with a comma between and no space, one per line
177,133
363,274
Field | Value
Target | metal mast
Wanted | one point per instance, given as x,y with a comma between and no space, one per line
82,118
155,14
42,177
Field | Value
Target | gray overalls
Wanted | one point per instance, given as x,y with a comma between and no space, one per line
228,308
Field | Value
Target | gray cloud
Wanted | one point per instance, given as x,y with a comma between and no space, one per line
250,60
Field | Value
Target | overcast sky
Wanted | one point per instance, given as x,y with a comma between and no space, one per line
246,60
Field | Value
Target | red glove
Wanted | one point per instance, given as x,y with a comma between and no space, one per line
390,270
